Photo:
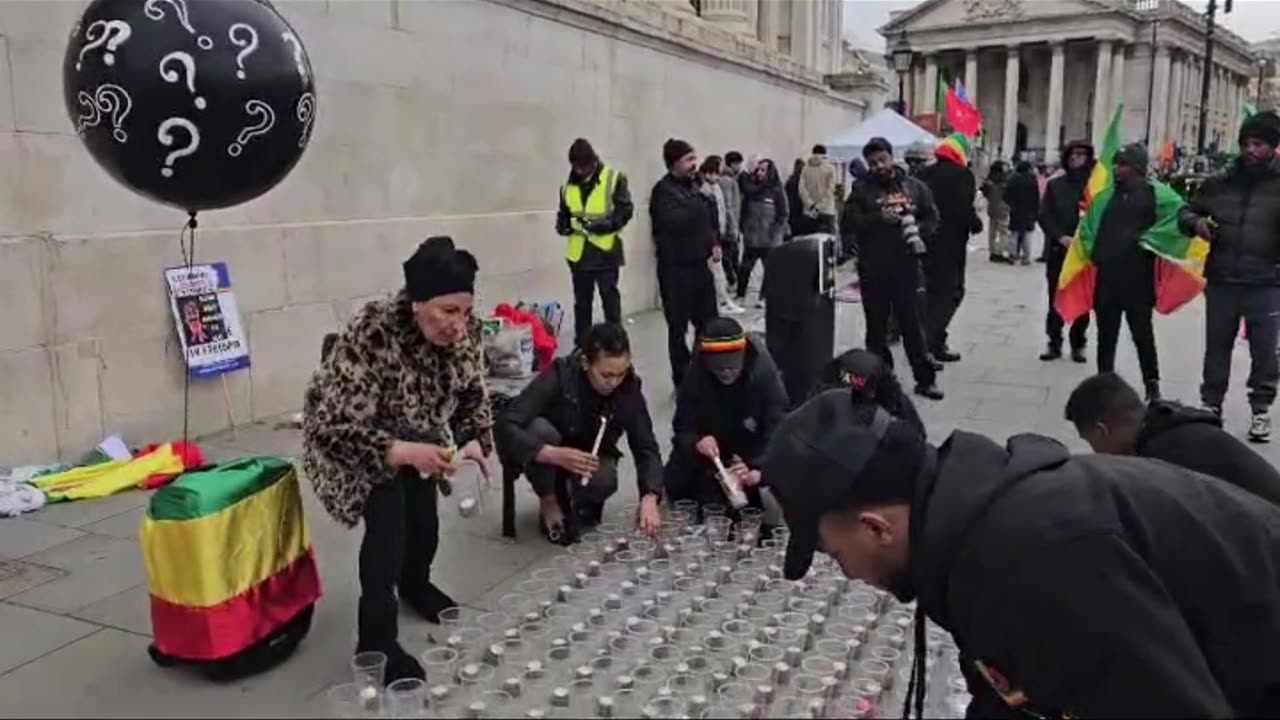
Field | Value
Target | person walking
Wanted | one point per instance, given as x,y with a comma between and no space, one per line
953,187
398,401
1238,212
764,222
1126,270
997,213
709,175
818,192
1022,194
799,223
683,221
1059,216
595,205
732,179
890,214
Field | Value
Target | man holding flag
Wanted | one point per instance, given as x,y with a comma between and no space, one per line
1239,213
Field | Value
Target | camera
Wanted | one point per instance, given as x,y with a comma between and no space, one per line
911,234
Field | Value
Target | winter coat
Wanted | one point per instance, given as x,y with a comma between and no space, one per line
563,396
1097,585
993,189
683,221
731,188
593,258
953,188
872,215
869,379
383,381
764,214
1245,207
1060,206
817,187
1022,194
1117,250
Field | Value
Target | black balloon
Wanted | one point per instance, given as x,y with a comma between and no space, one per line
199,104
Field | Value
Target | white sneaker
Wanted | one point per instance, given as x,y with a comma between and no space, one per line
1260,428
730,307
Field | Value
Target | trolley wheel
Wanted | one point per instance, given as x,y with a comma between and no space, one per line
159,658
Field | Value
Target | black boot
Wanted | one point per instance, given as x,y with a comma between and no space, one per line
946,355
1153,391
1077,355
377,630
1051,353
930,391
427,600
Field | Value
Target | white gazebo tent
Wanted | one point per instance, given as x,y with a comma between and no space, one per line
888,124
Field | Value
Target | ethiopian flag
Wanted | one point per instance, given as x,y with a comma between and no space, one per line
1180,260
229,558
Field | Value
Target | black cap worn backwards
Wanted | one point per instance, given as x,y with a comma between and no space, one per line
831,453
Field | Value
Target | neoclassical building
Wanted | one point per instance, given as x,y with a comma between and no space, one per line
1044,72
807,30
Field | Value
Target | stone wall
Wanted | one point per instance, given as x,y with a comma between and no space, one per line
436,116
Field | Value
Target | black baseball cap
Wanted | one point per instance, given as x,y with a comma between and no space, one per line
822,452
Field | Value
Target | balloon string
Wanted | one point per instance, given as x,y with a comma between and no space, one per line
187,246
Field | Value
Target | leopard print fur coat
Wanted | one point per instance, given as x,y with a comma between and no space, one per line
384,382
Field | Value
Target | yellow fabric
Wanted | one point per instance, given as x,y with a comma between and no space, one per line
95,481
212,559
598,206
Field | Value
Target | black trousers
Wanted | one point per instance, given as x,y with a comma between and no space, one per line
749,257
585,282
1225,307
1053,323
401,534
1133,299
944,290
548,479
688,294
691,476
730,260
898,293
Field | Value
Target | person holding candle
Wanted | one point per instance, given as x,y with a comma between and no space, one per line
397,402
563,430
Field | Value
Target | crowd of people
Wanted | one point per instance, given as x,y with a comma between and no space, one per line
1142,580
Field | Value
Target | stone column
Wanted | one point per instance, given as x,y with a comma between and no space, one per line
971,75
917,87
802,32
929,103
728,14
1117,77
1012,74
1102,92
769,25
1159,97
1174,121
1053,116
836,34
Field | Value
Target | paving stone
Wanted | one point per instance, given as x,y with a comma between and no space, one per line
96,567
29,634
83,512
20,536
18,576
129,611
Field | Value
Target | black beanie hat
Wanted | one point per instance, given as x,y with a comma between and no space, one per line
1134,155
875,145
437,268
1264,126
581,153
673,150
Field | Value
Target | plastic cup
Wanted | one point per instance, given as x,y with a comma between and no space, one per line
369,670
407,698
440,664
351,700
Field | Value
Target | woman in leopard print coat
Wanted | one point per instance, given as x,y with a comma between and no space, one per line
397,402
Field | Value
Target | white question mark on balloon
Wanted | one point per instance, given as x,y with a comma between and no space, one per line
188,63
291,39
249,44
165,136
153,10
108,100
266,121
306,112
104,32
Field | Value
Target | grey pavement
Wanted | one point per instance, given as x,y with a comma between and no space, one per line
74,613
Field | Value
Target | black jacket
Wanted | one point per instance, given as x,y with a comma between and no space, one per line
1022,193
1194,439
593,258
1100,586
871,213
953,189
1060,209
741,417
870,380
684,223
1117,249
1245,205
562,395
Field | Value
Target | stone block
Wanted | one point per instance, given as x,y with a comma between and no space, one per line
31,633
331,261
22,286
36,69
27,428
378,13
112,287
76,397
6,87
286,347
255,259
49,21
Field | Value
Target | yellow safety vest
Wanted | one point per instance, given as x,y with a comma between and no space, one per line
598,206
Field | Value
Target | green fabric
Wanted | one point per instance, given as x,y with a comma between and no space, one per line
205,492
1163,238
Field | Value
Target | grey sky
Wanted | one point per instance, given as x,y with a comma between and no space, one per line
1253,19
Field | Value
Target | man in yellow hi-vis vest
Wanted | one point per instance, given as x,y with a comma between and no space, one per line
594,207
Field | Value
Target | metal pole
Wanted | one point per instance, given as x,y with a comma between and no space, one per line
902,94
1211,16
1151,81
1262,70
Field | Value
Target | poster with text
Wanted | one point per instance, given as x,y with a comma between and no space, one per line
208,320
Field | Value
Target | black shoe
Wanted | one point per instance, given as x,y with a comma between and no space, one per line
946,355
936,364
1053,352
562,533
589,514
1153,391
427,600
1077,355
930,391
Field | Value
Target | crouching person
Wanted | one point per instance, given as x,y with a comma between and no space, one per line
727,407
870,382
553,431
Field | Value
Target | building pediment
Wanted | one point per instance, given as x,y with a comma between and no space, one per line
941,14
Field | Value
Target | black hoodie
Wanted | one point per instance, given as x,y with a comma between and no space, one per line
1194,439
1099,586
1060,206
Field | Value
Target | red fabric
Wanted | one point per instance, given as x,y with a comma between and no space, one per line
188,452
962,116
222,630
544,344
1175,286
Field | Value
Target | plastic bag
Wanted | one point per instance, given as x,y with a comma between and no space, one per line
509,351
